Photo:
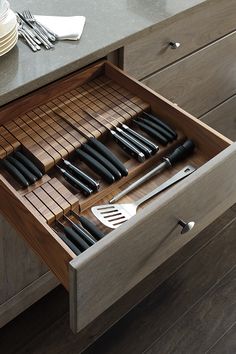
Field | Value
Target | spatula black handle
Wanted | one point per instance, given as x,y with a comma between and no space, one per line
109,155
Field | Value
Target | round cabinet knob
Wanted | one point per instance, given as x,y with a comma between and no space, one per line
186,226
174,45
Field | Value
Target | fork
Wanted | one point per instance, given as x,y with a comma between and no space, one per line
29,17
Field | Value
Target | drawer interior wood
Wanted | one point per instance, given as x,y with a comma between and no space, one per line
47,126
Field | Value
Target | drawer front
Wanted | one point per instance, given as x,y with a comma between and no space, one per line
223,118
107,272
201,81
193,29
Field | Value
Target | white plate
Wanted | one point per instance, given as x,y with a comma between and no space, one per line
7,25
7,49
8,35
3,10
8,41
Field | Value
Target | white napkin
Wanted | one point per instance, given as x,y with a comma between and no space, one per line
70,27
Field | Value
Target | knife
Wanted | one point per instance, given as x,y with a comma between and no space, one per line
109,155
28,164
75,182
25,172
82,175
100,158
150,131
161,123
15,173
96,166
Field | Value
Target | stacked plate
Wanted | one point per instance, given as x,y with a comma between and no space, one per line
8,28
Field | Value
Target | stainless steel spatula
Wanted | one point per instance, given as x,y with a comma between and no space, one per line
113,215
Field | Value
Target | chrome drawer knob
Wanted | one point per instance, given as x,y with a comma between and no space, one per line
174,45
186,226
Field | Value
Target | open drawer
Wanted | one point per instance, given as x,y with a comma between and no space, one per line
105,272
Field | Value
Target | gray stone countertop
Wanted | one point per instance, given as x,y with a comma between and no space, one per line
109,25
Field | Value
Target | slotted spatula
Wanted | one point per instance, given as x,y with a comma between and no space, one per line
113,215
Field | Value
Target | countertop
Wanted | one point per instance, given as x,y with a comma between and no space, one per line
109,26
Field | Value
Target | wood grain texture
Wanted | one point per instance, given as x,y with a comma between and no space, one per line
27,296
149,321
131,259
212,315
223,118
26,267
202,80
37,233
193,29
226,344
46,335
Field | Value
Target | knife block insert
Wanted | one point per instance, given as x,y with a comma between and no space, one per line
50,124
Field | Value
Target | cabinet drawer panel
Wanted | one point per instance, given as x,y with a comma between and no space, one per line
201,81
193,29
107,270
223,118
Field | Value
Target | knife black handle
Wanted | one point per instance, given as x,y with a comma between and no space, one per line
129,148
28,164
69,243
96,166
25,172
154,148
75,238
158,128
150,131
143,148
109,155
100,158
80,174
181,152
84,234
15,173
161,123
75,182
91,227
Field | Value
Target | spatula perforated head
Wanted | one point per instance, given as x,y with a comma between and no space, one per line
114,215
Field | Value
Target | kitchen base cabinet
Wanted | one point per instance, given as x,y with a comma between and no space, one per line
112,267
23,277
223,118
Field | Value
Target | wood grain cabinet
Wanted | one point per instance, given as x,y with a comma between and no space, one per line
199,75
107,271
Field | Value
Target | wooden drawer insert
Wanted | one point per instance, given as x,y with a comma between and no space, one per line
193,29
110,268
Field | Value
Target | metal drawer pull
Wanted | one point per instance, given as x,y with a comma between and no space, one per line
186,226
174,45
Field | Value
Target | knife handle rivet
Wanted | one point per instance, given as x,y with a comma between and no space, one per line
186,226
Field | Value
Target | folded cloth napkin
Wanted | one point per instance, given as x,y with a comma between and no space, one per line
65,27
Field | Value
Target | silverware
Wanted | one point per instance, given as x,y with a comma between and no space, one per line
115,215
48,33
